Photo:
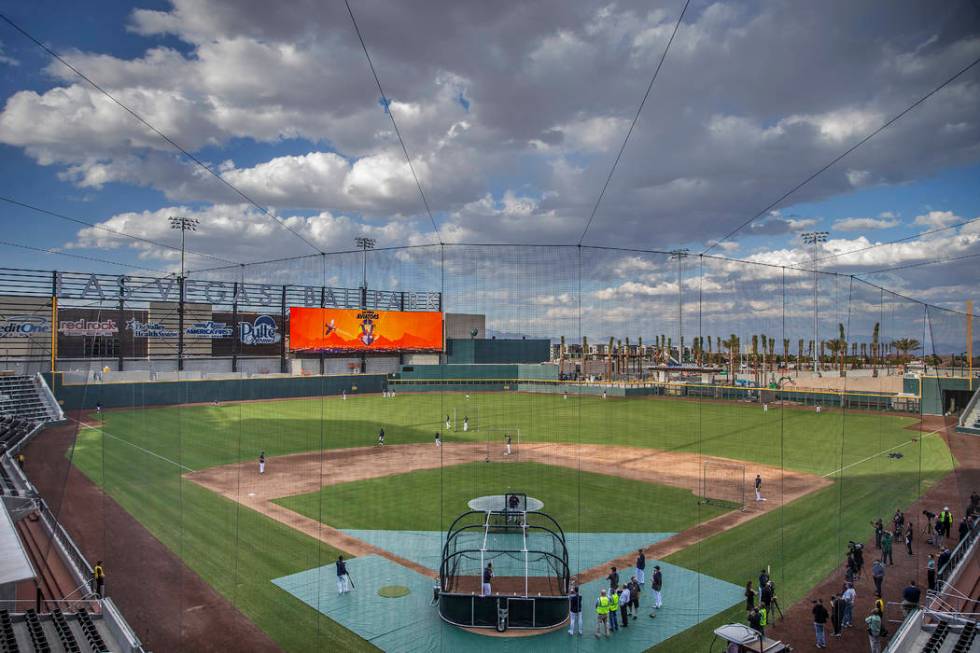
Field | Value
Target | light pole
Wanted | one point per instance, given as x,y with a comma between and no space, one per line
185,225
365,244
680,255
815,239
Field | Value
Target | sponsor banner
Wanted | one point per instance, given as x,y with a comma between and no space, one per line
210,329
150,329
88,328
333,329
23,326
263,331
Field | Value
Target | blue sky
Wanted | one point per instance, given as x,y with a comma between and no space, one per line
512,117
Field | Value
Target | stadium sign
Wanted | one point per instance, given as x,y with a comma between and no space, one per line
149,329
261,332
210,329
23,326
88,328
104,287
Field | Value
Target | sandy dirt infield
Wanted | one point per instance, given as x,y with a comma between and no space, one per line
308,472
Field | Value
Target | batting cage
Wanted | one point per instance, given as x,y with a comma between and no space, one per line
263,449
504,566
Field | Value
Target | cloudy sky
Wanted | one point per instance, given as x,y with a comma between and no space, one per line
512,114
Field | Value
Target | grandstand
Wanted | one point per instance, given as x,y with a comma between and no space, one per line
47,601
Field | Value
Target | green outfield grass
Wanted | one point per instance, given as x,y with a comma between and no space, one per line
145,451
430,500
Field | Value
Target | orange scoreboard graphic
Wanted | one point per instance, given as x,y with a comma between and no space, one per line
341,329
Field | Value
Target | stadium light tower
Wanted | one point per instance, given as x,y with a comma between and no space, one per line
815,240
185,225
365,244
680,255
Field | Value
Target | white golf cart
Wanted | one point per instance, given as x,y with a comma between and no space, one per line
737,638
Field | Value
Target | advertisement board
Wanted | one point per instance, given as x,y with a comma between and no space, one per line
336,329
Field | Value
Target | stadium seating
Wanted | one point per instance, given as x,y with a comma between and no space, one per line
91,632
966,638
36,631
68,640
937,638
8,640
13,428
20,396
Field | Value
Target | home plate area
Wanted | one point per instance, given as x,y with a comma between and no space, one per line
411,622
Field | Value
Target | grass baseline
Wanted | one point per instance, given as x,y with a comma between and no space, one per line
394,503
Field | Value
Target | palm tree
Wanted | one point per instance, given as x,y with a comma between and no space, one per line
785,352
799,356
874,349
732,345
842,347
772,357
905,345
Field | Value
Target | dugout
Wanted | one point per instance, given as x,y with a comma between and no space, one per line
529,555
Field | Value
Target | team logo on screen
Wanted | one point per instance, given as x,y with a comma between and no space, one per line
261,332
367,319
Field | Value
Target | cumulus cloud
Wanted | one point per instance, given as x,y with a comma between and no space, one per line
513,113
864,224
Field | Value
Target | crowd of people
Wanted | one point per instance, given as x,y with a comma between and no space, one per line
620,603
937,531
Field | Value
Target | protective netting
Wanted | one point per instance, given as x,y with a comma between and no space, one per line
640,395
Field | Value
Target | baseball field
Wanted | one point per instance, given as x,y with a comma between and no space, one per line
622,471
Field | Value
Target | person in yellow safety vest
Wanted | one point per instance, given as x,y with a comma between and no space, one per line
763,619
98,579
613,611
602,614
946,519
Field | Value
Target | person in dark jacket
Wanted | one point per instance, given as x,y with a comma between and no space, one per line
820,616
908,538
635,589
964,528
641,565
749,597
837,614
657,584
755,622
613,579
574,611
879,529
765,597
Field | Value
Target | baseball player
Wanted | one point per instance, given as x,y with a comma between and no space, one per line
438,440
381,438
448,423
758,488
262,463
343,579
508,444
485,589
466,424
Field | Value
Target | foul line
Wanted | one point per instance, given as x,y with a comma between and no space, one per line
875,455
136,446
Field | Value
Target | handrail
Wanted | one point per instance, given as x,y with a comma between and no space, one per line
958,553
970,405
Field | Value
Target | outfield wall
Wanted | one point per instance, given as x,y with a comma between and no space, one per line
164,393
